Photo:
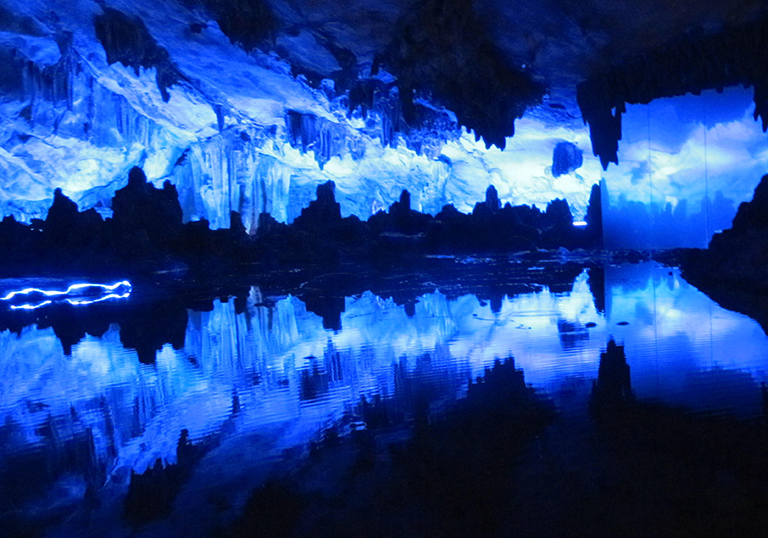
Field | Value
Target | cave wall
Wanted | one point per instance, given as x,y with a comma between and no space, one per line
90,92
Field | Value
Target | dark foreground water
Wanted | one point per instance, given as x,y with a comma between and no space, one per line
255,384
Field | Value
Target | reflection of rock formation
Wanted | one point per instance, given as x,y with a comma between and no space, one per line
313,382
571,334
151,493
596,283
734,269
255,348
65,448
613,383
144,326
723,390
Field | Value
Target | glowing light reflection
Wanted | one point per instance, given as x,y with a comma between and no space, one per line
118,290
30,306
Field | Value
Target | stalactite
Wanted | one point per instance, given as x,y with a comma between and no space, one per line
737,56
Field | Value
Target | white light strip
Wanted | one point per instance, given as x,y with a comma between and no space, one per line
30,306
105,298
109,289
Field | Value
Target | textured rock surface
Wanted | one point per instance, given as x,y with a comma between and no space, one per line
247,106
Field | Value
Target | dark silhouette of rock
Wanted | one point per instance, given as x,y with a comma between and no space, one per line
557,225
490,206
736,257
558,214
403,219
322,213
751,216
146,236
486,94
734,269
62,214
66,227
140,208
19,243
245,22
594,217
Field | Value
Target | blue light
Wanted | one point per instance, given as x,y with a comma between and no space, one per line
30,306
685,165
76,295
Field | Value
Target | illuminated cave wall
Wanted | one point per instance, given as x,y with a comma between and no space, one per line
236,130
685,165
87,92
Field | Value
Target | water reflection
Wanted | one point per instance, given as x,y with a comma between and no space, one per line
88,396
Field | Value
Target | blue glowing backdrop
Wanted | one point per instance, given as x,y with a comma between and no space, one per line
685,165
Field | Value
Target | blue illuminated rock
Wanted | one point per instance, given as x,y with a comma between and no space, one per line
566,158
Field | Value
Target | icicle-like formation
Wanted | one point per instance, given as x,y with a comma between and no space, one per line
239,133
231,172
327,139
71,131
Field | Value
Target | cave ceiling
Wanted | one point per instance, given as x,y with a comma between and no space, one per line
204,92
487,60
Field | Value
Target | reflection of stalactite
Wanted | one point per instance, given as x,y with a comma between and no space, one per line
571,334
151,493
332,360
313,382
65,447
596,282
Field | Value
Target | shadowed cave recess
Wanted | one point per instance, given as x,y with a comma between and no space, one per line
394,268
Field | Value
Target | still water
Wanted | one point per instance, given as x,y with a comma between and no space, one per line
259,381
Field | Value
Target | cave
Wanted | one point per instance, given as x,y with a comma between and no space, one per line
367,268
